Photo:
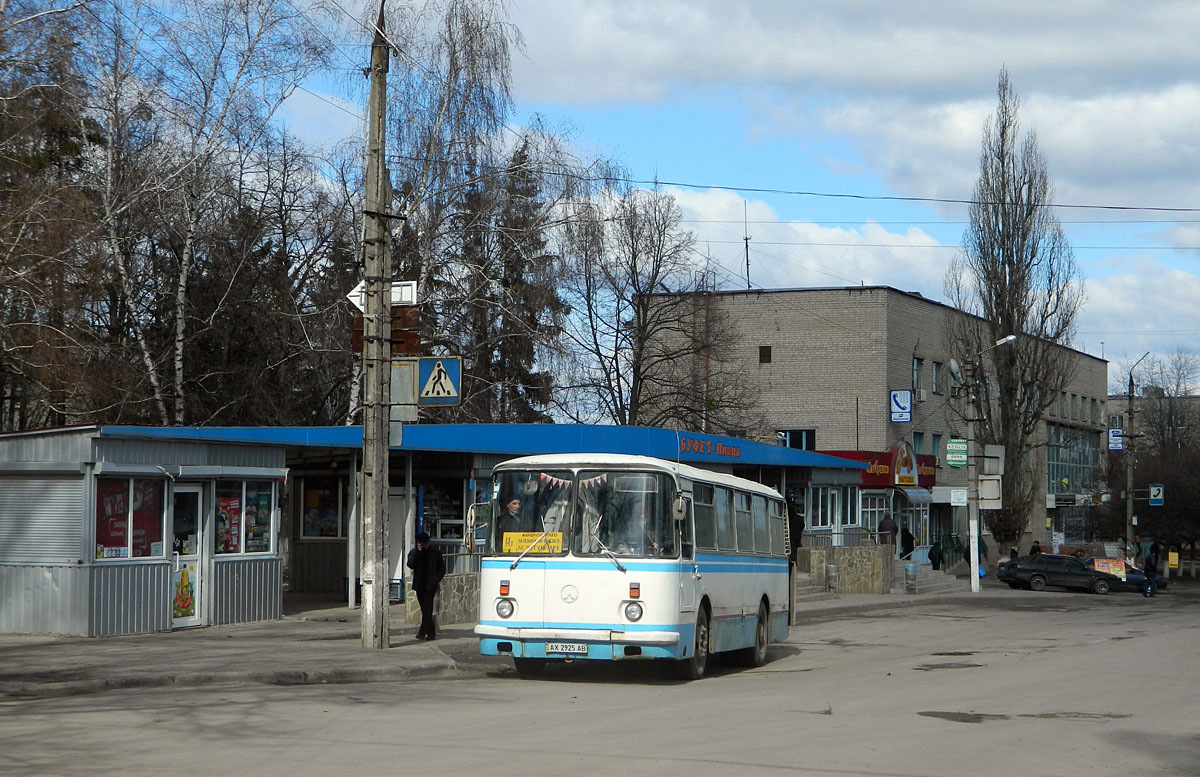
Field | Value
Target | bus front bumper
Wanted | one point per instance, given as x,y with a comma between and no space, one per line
561,643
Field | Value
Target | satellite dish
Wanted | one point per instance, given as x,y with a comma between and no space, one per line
956,372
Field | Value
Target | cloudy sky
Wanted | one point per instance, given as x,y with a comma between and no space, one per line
773,111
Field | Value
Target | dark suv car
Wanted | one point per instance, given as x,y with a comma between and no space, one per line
1046,569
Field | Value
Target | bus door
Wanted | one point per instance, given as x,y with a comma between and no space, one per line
689,569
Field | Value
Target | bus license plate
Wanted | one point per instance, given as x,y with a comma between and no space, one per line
579,648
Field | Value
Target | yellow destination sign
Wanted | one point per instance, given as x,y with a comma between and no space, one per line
519,542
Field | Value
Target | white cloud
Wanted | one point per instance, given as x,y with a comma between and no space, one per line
801,253
599,50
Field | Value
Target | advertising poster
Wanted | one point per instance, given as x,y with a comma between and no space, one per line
1113,566
229,524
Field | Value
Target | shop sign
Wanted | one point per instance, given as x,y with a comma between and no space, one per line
956,452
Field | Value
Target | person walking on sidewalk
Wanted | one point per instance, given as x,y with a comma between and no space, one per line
428,568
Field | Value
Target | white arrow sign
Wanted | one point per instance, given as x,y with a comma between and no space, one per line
403,293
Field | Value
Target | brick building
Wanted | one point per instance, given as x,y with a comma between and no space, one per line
824,364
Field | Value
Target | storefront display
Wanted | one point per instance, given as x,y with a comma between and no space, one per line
258,517
129,518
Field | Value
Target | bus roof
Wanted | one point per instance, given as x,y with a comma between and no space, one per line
593,460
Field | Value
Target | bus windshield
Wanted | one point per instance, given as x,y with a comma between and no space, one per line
532,510
589,513
625,513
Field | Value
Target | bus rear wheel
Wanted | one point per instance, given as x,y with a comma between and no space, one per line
692,668
756,655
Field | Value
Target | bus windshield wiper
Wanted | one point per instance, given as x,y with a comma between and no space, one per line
525,552
608,554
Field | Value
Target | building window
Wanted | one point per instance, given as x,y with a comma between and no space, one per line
936,447
804,439
874,507
325,511
918,442
245,516
918,365
1073,466
764,354
936,378
129,517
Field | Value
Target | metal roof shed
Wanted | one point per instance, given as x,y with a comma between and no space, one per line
104,535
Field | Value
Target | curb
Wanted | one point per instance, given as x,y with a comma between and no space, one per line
287,677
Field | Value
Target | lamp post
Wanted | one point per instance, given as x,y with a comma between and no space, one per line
973,465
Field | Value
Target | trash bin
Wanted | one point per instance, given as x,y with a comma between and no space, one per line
910,578
831,577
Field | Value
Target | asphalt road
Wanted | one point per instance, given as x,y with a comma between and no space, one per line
1060,685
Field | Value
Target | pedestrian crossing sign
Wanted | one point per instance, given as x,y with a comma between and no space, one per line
439,378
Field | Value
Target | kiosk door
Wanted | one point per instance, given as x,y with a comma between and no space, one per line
186,578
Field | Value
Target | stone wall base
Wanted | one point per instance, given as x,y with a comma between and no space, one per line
457,601
865,569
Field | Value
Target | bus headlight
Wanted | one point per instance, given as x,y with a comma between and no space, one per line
505,608
633,611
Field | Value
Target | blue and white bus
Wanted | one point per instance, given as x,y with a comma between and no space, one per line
610,557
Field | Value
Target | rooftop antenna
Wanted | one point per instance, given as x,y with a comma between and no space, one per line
745,231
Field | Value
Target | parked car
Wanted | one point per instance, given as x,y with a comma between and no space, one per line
1048,570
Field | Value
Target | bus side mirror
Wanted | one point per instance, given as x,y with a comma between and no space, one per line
679,508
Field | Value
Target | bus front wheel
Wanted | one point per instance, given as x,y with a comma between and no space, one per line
529,667
692,668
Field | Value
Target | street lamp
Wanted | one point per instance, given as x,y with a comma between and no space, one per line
972,459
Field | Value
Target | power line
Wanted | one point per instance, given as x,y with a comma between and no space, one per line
895,198
954,246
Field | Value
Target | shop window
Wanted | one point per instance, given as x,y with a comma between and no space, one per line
129,517
229,518
245,516
874,507
260,516
325,511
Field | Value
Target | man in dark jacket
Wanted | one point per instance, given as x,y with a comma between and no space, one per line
887,531
428,568
935,555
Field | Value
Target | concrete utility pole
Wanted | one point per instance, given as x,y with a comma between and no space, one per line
1127,435
377,359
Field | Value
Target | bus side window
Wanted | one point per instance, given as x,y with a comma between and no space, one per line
686,526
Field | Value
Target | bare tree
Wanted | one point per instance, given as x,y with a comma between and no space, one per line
1016,275
642,346
185,90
